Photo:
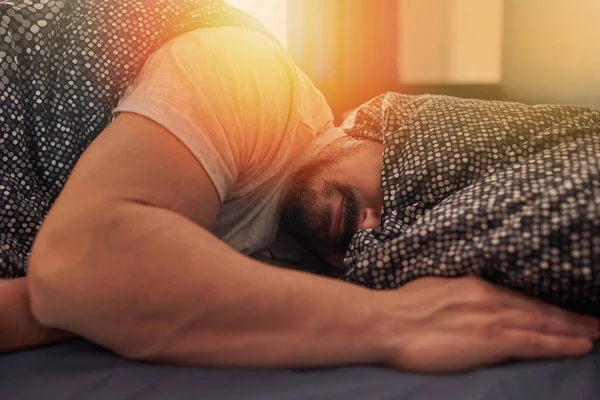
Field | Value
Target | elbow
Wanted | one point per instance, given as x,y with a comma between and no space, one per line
56,301
55,272
45,284
83,278
65,293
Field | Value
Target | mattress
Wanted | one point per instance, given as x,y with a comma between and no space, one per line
82,371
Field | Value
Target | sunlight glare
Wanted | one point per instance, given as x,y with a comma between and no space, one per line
272,13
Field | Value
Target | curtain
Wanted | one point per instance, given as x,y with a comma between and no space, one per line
345,41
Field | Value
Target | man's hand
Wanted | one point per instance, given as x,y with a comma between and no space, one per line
447,325
18,327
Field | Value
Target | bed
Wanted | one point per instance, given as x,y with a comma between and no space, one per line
80,370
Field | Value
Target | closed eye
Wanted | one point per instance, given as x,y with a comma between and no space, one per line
342,220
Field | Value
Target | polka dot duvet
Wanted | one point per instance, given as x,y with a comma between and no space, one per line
503,191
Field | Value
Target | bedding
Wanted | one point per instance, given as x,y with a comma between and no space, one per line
79,370
504,191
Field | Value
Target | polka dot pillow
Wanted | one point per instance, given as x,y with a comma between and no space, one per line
503,191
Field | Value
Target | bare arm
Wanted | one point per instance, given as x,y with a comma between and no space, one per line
18,328
186,297
125,259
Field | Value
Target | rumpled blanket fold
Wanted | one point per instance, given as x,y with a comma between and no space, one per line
504,191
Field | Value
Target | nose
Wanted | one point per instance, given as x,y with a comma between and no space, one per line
369,218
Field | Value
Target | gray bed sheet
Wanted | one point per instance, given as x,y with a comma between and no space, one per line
82,371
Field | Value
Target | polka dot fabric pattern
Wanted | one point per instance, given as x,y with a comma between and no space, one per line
63,67
503,191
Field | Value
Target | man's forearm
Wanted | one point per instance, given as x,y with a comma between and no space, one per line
153,285
18,327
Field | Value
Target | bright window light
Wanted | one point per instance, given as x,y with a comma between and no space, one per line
272,13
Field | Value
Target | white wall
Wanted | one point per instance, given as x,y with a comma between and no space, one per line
475,34
450,41
552,51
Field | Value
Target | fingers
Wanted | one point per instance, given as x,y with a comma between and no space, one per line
456,353
521,345
528,345
548,318
551,323
531,313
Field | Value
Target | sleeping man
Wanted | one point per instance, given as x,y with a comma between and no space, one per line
136,233
451,187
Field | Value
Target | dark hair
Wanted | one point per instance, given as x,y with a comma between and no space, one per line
300,206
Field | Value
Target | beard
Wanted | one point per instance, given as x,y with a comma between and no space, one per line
310,221
304,212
